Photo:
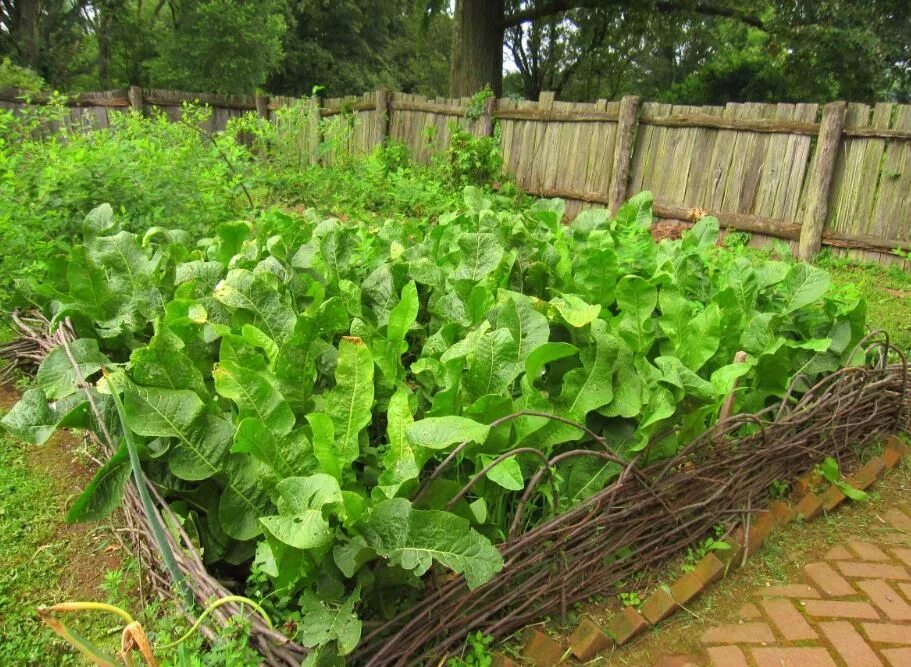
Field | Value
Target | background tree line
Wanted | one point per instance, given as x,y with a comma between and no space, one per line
685,51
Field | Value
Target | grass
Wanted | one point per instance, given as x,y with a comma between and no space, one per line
45,561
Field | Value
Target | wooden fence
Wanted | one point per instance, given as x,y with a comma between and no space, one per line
837,176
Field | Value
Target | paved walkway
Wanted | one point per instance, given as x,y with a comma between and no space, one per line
850,609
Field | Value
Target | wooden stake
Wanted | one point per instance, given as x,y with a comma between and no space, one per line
817,207
623,151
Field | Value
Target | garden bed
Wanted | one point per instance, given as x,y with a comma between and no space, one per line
647,517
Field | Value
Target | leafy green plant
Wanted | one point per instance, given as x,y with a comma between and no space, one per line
779,489
476,653
630,599
347,406
831,473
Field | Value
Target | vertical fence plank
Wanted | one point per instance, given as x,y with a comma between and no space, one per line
833,119
134,95
262,106
623,150
381,118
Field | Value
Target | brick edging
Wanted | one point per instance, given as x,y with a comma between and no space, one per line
589,638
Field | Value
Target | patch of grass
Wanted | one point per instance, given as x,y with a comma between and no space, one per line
35,555
887,290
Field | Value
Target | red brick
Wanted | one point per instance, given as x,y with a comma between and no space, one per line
897,657
761,525
541,650
588,640
659,605
789,591
731,557
806,483
749,611
500,660
832,498
852,648
809,507
626,625
838,553
867,551
840,609
876,570
782,512
792,657
898,519
677,661
826,579
708,570
790,623
727,656
891,458
739,633
899,445
870,473
883,596
888,633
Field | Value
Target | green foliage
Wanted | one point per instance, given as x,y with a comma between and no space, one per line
13,76
476,652
829,471
162,174
292,381
470,160
221,46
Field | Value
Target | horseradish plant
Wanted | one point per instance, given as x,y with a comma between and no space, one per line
292,384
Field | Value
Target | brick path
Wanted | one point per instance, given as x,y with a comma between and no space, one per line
851,609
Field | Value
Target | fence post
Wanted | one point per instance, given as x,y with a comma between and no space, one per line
134,95
817,207
381,129
262,106
316,136
627,124
485,127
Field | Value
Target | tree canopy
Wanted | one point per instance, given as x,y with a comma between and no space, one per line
687,51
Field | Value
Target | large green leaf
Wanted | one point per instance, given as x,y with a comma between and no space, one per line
803,285
350,402
203,439
400,464
34,420
246,496
529,328
443,432
287,455
104,493
636,299
701,340
59,378
300,522
322,624
245,290
480,255
493,365
413,539
255,396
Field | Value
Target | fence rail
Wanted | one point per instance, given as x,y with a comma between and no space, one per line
837,176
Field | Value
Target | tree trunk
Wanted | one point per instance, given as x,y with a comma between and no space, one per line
477,47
